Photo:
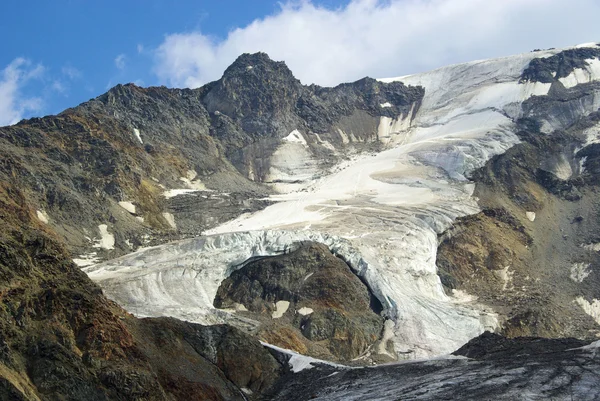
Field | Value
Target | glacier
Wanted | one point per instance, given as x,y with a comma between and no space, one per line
381,212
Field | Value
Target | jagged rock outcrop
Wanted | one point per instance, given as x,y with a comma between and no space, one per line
308,300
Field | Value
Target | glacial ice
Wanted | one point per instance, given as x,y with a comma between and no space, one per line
381,212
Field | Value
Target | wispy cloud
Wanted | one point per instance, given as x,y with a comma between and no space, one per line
140,48
71,72
13,104
120,61
381,37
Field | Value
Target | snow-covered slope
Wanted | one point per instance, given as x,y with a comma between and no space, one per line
382,212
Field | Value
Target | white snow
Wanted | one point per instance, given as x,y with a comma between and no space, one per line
86,259
385,105
579,272
136,132
592,135
588,44
42,216
170,219
589,73
388,334
295,137
591,308
530,216
192,185
139,218
175,192
191,182
592,247
305,311
299,362
130,207
280,308
107,240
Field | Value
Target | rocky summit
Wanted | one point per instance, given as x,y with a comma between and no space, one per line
257,238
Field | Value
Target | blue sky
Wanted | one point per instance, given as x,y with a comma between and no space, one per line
57,54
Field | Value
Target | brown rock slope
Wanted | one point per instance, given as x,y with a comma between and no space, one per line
61,339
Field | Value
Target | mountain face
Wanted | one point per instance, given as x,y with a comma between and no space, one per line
372,222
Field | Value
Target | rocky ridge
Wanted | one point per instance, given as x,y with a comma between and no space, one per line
120,160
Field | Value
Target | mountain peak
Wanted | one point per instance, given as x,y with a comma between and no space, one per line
248,62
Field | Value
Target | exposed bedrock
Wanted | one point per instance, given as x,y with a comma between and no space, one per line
308,300
531,253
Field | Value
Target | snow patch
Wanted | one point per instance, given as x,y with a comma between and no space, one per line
280,308
388,334
385,105
107,240
589,73
592,135
86,259
42,216
136,132
299,362
170,219
505,276
530,216
580,271
130,207
295,137
460,296
139,218
588,44
591,308
344,137
305,311
176,192
592,247
191,182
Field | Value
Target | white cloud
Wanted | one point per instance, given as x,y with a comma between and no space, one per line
140,48
381,38
120,61
71,72
59,87
13,104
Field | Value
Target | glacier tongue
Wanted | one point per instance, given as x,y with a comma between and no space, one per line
380,212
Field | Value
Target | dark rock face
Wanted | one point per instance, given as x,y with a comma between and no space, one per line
496,368
550,69
330,310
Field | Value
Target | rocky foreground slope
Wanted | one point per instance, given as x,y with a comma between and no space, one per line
374,221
